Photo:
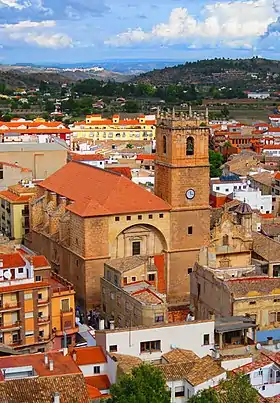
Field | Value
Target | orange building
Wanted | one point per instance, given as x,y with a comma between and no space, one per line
37,308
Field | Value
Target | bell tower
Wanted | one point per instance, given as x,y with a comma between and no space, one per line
182,180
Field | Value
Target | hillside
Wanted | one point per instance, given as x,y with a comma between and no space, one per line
26,77
255,72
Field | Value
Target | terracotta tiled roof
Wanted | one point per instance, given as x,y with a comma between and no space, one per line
87,157
97,192
127,263
253,286
195,373
261,361
277,175
141,157
38,261
12,260
147,296
93,392
265,178
126,362
71,388
63,365
180,355
271,229
125,171
100,382
19,287
14,198
265,247
90,355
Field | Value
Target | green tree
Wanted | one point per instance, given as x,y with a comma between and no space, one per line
216,160
234,389
205,396
225,112
131,106
145,384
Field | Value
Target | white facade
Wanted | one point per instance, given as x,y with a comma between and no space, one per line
98,164
266,380
272,151
195,336
258,95
255,199
229,365
228,187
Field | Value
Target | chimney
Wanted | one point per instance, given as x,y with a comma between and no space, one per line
51,365
74,356
101,324
46,359
112,324
65,351
56,398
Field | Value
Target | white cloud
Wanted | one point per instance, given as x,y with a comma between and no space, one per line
33,32
232,22
20,5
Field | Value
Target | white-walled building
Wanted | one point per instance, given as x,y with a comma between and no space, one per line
150,343
264,374
274,119
228,184
258,95
255,199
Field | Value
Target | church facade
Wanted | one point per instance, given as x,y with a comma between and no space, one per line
83,216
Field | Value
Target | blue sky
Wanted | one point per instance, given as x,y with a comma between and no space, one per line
85,30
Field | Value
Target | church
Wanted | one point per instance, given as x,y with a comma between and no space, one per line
83,216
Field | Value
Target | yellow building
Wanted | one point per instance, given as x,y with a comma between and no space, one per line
14,210
37,307
97,128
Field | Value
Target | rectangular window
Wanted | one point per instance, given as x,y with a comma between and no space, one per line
96,370
128,218
30,333
206,339
161,215
41,333
124,280
151,277
40,296
117,218
159,317
149,346
28,296
179,391
189,270
278,316
65,305
113,348
272,317
252,303
28,315
150,216
136,248
20,270
38,278
190,230
217,187
139,217
133,279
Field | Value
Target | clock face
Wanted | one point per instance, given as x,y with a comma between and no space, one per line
190,193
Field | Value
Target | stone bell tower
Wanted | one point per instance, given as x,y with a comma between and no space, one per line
182,180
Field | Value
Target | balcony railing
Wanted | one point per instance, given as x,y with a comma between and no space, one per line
11,326
9,306
43,301
43,319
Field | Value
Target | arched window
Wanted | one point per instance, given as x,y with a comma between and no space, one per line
190,146
225,240
164,144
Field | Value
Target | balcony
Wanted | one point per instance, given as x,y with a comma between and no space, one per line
9,307
67,320
43,301
10,327
43,320
43,338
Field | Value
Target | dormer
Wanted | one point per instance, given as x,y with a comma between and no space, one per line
116,119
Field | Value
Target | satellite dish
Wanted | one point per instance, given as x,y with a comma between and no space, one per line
258,346
7,275
248,349
278,346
